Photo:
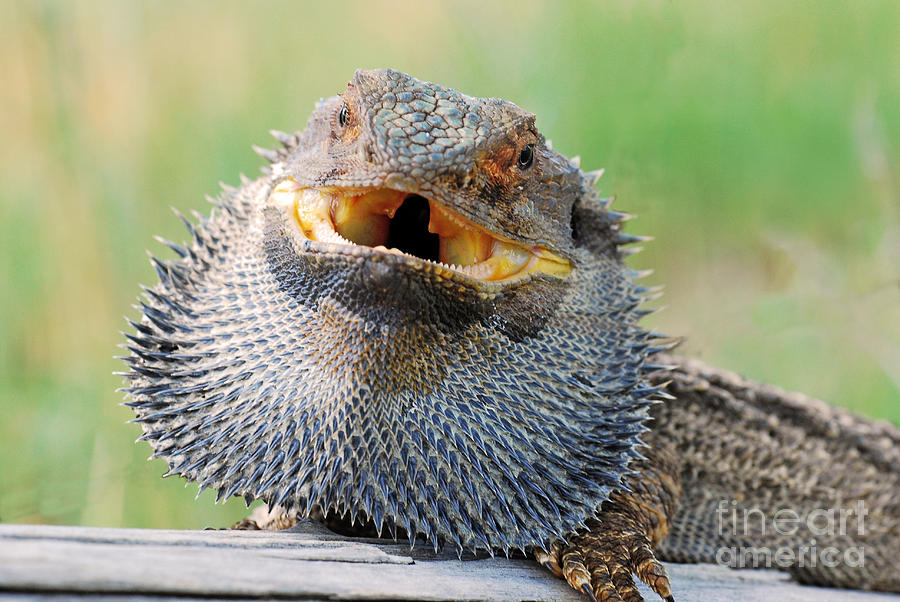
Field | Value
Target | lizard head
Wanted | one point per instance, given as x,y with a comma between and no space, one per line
418,316
418,184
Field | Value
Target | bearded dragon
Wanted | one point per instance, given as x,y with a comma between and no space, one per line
420,317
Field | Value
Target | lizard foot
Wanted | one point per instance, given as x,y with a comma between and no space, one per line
601,563
265,519
246,524
618,544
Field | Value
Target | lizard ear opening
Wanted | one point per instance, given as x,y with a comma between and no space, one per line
591,225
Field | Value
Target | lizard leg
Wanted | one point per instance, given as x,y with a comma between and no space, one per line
618,544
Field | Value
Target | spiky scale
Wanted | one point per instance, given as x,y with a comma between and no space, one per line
593,177
619,216
627,239
288,141
272,156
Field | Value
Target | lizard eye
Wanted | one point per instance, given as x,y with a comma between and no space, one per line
343,115
526,157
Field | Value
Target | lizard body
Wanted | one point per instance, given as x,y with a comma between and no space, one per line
420,317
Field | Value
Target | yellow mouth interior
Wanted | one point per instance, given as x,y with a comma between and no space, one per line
393,221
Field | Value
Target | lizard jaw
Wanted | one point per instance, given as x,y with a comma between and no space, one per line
368,217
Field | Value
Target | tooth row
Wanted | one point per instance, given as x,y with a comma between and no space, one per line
316,212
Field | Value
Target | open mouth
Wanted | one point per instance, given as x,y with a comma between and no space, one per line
393,221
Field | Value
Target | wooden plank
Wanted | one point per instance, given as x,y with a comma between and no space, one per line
312,563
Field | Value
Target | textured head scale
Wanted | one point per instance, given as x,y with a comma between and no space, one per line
375,385
422,138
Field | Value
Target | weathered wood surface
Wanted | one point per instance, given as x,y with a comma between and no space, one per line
313,564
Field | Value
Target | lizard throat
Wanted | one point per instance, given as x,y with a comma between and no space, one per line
396,222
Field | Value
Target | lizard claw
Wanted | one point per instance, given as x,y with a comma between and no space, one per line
264,518
246,524
550,560
602,566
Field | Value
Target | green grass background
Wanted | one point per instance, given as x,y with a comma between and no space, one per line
757,141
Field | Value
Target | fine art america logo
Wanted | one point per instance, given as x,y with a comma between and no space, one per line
826,537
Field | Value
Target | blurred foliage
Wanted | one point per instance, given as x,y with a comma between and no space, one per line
758,142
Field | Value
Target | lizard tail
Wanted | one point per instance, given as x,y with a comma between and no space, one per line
772,479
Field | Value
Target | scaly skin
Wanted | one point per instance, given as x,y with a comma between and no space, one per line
496,406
